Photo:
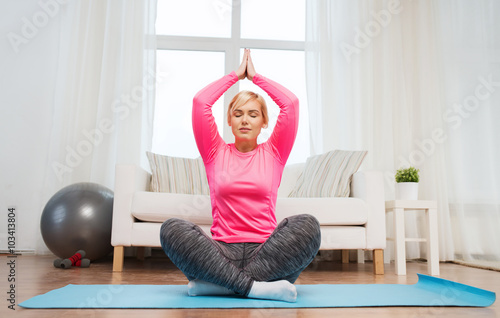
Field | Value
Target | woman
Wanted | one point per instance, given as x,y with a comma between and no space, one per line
248,254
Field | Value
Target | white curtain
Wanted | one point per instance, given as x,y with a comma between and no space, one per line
381,75
470,41
104,99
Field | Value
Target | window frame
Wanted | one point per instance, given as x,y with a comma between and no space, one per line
230,46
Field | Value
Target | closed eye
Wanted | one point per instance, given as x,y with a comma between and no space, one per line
253,113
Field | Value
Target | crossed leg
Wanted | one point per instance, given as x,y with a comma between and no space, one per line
269,273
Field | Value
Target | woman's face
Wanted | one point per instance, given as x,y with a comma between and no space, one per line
247,121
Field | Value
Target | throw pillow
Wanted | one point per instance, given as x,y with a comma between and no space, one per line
329,174
177,175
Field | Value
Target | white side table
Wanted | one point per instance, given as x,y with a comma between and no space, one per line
430,208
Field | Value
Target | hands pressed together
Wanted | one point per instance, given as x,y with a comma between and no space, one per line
246,68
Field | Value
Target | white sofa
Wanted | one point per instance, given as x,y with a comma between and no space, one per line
356,222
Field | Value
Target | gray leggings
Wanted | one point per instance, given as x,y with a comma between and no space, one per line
284,255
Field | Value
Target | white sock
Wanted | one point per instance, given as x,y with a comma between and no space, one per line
279,290
198,287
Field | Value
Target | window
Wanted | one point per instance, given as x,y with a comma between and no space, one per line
277,20
200,41
173,133
194,18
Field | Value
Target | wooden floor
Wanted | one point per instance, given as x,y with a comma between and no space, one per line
35,275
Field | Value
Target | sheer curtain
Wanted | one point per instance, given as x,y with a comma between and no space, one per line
380,77
104,99
470,43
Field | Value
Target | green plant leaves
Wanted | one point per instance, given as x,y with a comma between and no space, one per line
407,175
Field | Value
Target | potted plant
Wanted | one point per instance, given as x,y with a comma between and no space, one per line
407,183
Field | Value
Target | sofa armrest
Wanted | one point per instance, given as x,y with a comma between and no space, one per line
369,186
128,180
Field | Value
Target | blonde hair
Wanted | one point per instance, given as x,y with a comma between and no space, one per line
244,97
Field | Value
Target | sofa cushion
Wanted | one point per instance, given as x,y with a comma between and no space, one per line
158,207
328,211
343,237
177,175
328,174
291,174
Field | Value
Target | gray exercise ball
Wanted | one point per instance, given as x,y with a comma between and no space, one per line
78,217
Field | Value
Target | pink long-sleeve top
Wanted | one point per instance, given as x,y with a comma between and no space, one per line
244,186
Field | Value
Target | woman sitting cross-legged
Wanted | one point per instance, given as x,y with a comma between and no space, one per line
249,253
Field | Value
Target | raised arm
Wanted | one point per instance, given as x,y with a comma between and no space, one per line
285,131
204,128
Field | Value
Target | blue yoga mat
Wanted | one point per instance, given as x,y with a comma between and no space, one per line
428,291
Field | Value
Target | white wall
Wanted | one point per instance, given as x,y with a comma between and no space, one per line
27,83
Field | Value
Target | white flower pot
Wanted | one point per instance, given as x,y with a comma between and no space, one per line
407,191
